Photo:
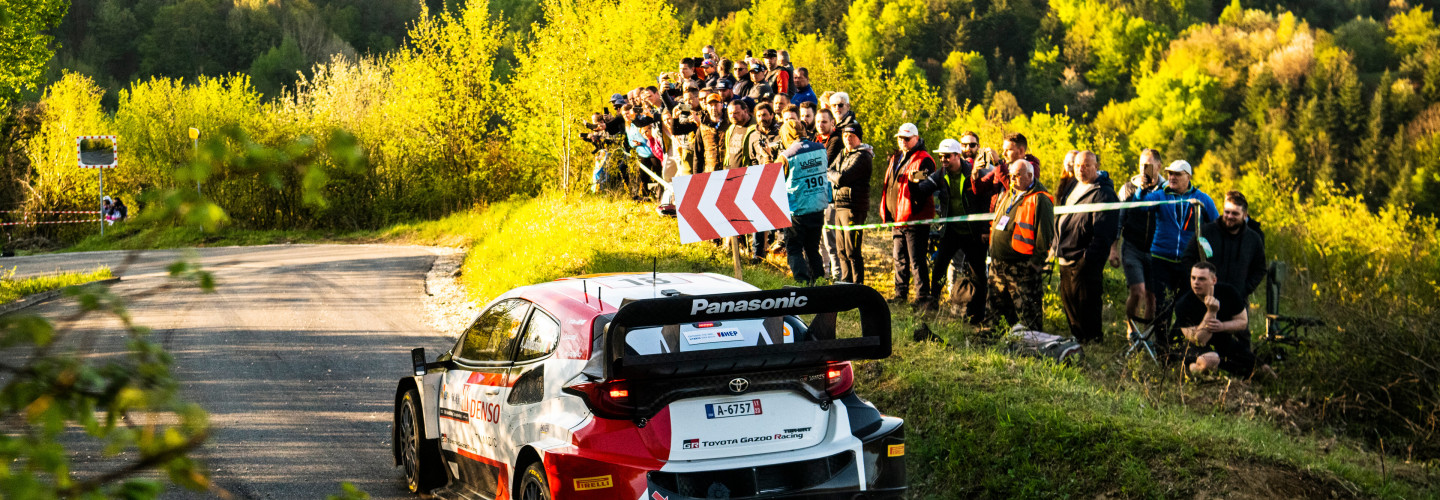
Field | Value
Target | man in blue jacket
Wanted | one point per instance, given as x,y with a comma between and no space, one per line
1175,225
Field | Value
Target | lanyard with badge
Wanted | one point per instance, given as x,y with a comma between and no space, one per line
1004,220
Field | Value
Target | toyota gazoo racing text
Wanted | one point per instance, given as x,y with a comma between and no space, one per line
654,387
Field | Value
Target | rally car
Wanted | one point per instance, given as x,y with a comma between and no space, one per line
656,387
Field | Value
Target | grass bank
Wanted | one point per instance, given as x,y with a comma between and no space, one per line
12,289
980,423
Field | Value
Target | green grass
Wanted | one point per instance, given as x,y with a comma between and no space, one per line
980,423
12,289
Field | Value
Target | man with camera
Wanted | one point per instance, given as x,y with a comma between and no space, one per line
906,198
1131,252
684,124
954,180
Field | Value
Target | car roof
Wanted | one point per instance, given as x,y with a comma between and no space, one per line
587,296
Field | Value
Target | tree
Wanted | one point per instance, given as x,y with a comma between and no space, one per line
278,68
25,44
1169,104
1365,38
881,33
1412,30
183,41
1373,148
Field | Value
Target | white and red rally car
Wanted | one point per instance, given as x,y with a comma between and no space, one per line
654,387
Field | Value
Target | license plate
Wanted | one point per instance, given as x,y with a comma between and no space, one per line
733,409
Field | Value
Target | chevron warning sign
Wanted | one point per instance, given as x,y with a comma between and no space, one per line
731,202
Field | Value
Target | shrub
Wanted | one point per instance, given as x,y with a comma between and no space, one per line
1373,277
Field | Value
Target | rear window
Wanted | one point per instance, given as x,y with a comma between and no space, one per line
713,335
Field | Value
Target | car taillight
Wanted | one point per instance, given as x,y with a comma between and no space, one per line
839,379
607,399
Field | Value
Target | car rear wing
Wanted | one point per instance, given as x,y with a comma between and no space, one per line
822,345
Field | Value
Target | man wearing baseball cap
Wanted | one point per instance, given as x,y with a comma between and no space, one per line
776,74
905,198
1175,226
958,197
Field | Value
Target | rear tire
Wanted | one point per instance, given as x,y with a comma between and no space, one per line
533,484
419,457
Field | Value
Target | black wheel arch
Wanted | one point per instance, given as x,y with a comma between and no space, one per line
405,385
528,455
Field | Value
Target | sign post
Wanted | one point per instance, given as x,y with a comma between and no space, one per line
98,152
731,203
195,149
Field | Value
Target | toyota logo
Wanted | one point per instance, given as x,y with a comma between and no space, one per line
739,385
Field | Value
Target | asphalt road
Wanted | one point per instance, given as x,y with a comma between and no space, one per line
295,356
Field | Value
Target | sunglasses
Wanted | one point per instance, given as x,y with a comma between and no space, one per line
969,144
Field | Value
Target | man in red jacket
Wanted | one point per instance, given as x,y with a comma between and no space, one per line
907,198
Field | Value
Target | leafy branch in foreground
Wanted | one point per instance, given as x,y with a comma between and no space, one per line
59,390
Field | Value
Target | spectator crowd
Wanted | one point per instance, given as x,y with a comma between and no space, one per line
1185,261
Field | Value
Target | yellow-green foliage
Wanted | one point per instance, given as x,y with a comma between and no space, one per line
586,51
73,109
556,235
1374,278
12,289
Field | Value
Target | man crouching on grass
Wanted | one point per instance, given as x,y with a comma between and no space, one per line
1214,322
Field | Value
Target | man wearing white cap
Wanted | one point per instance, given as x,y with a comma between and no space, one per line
958,196
905,198
1175,226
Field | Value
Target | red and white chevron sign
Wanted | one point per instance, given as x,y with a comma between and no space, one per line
731,202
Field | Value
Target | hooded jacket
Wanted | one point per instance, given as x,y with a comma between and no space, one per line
1238,258
1088,234
850,175
1175,222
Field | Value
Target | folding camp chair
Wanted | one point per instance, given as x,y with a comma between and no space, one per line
1282,332
1146,335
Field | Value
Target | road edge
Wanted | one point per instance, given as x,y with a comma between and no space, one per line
447,305
37,298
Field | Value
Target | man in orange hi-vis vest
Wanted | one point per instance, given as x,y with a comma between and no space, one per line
1020,239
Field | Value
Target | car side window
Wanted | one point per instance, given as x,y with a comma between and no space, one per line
492,337
541,335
